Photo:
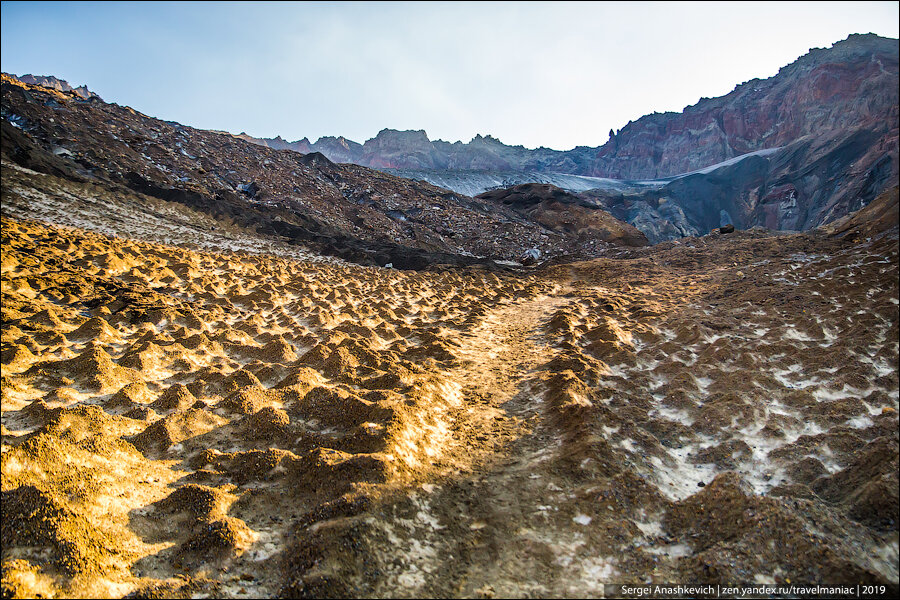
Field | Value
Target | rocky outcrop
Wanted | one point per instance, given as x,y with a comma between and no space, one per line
562,212
649,210
58,84
882,214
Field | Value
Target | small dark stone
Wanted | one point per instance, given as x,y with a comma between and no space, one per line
726,229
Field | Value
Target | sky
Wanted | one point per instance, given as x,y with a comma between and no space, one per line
547,74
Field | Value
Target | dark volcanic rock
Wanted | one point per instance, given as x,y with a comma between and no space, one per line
563,212
804,185
658,216
881,215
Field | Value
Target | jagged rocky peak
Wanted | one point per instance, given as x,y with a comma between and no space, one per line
393,141
392,148
338,149
487,140
339,140
55,83
302,145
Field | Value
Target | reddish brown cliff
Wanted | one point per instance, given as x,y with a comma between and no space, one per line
851,85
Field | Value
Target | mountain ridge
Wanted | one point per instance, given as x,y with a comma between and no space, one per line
53,82
794,151
707,132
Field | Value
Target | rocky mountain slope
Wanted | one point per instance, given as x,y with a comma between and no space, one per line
810,182
851,85
345,210
830,119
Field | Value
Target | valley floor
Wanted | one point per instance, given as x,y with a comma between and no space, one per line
191,410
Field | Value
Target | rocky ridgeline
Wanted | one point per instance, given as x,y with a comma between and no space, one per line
61,85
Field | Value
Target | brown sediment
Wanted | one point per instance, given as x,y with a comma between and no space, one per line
179,421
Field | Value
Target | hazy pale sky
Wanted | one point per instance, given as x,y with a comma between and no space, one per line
539,74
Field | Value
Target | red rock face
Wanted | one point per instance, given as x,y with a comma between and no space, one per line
853,84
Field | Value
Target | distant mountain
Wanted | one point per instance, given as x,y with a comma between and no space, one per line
852,84
830,120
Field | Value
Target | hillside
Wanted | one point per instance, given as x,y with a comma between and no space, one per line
344,210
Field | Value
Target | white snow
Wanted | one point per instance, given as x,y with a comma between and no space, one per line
705,170
582,519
